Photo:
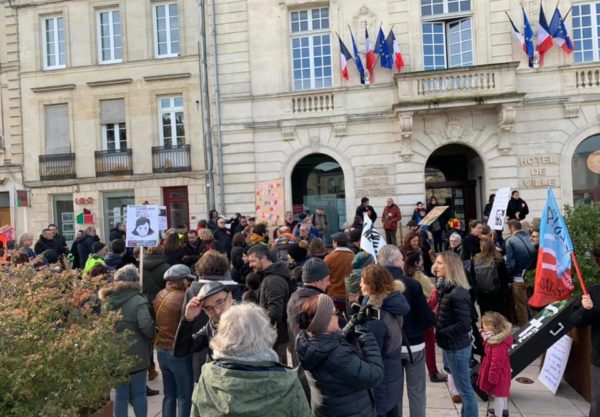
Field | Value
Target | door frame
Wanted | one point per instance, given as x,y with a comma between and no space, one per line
167,201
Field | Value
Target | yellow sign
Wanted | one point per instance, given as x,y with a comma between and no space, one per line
270,207
433,215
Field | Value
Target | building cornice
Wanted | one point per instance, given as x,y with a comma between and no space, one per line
104,83
48,88
164,77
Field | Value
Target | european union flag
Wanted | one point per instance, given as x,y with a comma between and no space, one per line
383,50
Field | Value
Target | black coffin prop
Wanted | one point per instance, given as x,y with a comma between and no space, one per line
552,323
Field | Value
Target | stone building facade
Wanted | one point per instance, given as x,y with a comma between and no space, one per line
464,117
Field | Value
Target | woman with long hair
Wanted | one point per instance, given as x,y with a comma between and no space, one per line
339,375
454,325
384,293
488,272
316,249
416,240
173,249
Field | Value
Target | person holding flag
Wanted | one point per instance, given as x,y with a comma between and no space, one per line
553,271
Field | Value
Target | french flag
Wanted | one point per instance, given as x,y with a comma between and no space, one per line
370,57
544,39
518,34
393,46
560,33
345,56
553,280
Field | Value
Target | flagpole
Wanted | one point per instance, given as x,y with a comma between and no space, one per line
583,287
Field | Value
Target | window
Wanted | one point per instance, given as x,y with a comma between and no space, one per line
57,129
109,37
172,132
311,49
586,31
447,41
54,42
166,30
112,119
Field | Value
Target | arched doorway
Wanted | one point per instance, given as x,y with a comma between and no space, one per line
586,171
318,182
454,175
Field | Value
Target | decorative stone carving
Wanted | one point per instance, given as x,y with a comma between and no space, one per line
405,121
571,110
364,16
454,128
287,132
506,119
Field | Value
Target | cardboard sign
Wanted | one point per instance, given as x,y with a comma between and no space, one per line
555,363
142,226
498,212
270,206
433,215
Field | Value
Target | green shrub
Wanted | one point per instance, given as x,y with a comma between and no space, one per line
56,357
583,222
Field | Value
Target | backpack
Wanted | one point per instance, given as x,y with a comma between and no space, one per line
486,277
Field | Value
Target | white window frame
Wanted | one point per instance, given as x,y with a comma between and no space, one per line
111,36
310,33
445,10
172,110
56,51
117,129
170,53
595,27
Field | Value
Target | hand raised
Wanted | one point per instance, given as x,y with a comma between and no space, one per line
586,302
193,309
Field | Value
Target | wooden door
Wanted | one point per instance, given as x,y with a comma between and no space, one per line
176,201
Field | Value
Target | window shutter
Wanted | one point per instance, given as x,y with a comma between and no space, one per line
57,129
112,111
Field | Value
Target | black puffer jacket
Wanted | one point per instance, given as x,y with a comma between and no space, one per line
274,293
454,318
340,378
155,266
582,317
294,307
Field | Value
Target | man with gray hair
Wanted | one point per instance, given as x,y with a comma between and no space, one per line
416,322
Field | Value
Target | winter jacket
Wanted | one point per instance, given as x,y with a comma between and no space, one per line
174,257
339,263
113,261
168,306
388,333
519,251
420,317
339,375
391,216
243,389
294,306
320,223
75,252
116,234
44,244
454,317
84,247
62,243
191,253
369,210
155,266
273,296
189,341
133,306
582,317
92,262
239,269
224,236
517,206
495,372
470,247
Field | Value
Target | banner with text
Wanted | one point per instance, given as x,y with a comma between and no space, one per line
498,212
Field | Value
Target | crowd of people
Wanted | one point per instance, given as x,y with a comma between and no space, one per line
227,310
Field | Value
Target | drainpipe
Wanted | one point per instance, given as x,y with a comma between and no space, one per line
206,127
218,110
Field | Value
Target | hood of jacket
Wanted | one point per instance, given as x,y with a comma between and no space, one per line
154,260
113,260
390,301
119,292
312,350
505,336
278,268
234,392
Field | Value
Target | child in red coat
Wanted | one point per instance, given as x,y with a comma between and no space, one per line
495,372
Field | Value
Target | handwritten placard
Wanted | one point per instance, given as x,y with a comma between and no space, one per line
555,363
270,206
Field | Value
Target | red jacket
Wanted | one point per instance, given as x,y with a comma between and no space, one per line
391,222
495,373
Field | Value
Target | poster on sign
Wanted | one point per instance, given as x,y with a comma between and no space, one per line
498,212
432,215
555,363
142,226
270,207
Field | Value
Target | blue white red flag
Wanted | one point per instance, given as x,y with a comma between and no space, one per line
544,39
553,280
560,33
357,60
395,49
345,56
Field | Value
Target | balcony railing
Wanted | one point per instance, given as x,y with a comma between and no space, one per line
59,166
312,103
171,158
113,163
457,83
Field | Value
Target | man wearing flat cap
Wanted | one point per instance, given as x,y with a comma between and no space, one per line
340,266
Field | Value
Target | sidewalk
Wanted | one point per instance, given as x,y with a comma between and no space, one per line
533,400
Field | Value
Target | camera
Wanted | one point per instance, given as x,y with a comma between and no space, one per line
365,312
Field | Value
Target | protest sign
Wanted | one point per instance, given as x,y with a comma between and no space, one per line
432,215
142,226
555,363
498,212
269,202
371,240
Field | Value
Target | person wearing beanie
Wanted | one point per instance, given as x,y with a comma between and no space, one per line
352,281
99,251
340,376
124,295
296,257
